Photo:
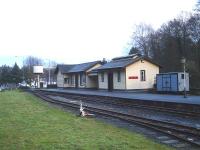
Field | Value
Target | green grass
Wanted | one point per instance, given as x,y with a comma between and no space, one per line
28,123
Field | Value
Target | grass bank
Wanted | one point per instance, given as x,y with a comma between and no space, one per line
28,123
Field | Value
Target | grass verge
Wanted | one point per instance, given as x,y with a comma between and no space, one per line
28,123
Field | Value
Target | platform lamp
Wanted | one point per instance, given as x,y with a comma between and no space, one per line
183,61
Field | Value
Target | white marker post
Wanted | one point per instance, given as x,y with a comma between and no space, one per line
183,61
82,112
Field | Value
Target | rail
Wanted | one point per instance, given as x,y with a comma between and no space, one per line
188,134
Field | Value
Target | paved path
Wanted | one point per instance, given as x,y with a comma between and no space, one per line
135,95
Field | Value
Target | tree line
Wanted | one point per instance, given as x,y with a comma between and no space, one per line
16,74
174,40
10,74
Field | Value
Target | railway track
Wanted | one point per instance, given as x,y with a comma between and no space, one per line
108,100
187,134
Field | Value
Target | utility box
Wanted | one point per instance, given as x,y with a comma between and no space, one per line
172,82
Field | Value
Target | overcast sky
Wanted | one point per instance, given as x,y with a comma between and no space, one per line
75,31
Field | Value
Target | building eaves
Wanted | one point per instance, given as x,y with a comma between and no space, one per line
122,63
63,68
83,67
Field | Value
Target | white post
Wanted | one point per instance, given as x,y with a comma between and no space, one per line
38,81
23,69
183,60
184,83
49,73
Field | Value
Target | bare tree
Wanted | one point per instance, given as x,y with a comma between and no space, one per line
27,69
141,37
134,50
49,70
175,39
197,9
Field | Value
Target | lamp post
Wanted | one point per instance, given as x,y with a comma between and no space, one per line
49,73
23,68
183,61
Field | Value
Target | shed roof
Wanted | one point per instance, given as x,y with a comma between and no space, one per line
122,62
76,67
83,67
167,73
63,68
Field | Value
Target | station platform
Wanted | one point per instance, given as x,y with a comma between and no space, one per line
134,95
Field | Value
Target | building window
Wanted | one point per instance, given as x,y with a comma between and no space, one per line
182,76
82,78
142,75
102,77
66,80
119,76
73,78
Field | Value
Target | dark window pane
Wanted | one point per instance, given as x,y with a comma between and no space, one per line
142,75
119,76
182,76
102,77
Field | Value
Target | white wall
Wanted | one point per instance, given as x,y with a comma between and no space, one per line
60,79
119,85
92,82
134,70
83,84
73,78
103,85
181,82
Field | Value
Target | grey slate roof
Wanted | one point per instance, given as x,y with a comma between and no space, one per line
116,64
63,68
83,67
76,68
126,57
122,62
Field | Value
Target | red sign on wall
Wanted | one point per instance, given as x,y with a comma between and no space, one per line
133,77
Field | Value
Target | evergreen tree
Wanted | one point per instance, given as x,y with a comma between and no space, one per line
16,74
134,50
198,6
175,39
5,76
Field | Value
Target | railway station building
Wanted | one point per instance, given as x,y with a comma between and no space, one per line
78,75
128,73
122,73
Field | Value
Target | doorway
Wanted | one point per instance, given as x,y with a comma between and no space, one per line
41,84
110,81
76,80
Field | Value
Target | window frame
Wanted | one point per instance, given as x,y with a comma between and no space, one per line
71,79
66,80
118,76
82,79
182,76
142,75
102,76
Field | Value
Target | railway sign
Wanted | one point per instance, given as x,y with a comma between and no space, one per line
133,77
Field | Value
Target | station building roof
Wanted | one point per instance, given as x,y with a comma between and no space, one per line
64,68
83,67
122,62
